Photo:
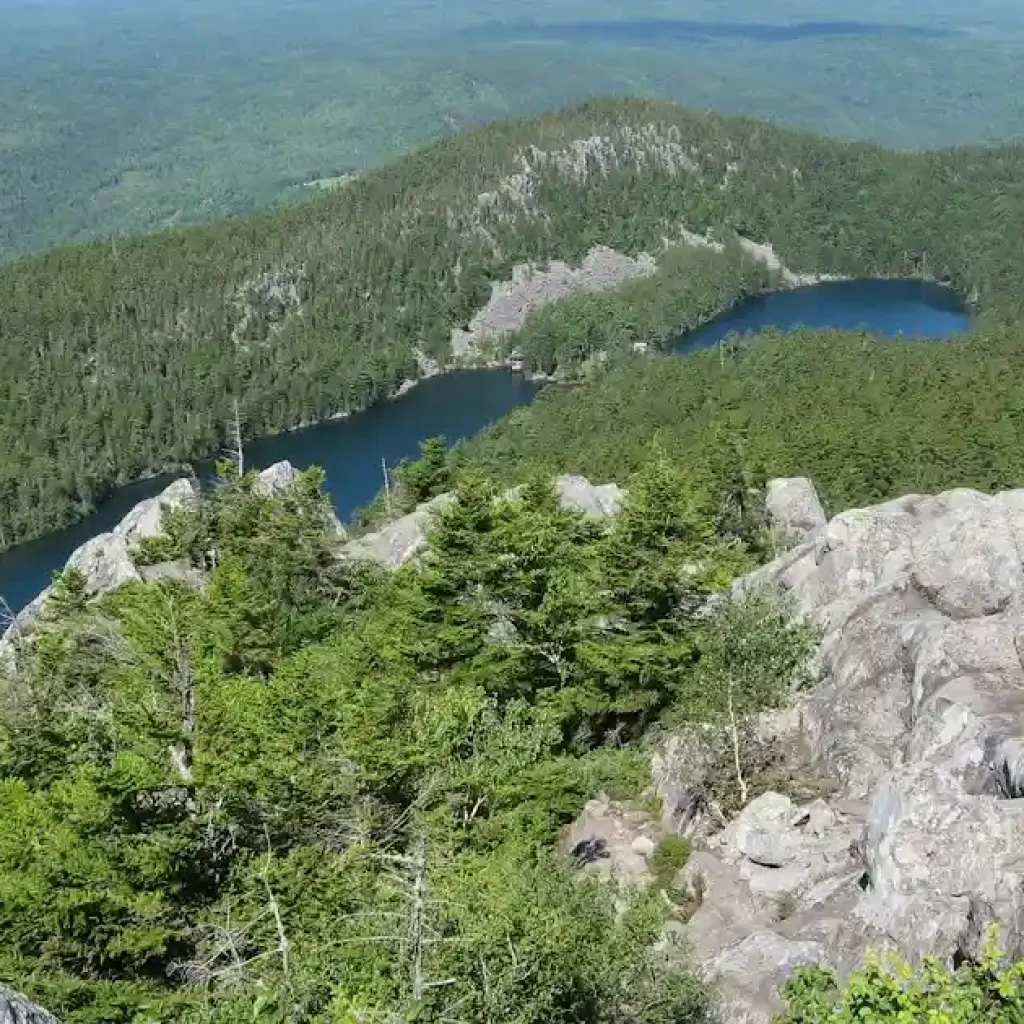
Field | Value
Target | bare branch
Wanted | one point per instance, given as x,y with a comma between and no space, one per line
735,735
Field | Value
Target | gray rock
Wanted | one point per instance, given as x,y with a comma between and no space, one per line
401,540
794,509
105,563
614,840
750,973
966,559
577,492
787,856
762,832
275,479
179,571
726,912
145,520
16,1009
918,720
681,770
932,852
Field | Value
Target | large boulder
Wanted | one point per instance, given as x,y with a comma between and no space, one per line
918,724
401,540
682,771
275,479
146,519
105,560
935,858
105,563
578,493
786,853
793,508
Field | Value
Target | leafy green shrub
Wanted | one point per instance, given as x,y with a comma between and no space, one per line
669,857
891,991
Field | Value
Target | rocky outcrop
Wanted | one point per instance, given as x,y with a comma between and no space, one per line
579,494
105,560
532,287
275,479
16,1009
918,723
406,537
399,541
794,509
614,840
145,520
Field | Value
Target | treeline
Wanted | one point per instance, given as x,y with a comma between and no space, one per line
867,419
120,357
318,791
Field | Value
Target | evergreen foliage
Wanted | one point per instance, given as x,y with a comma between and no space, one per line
120,358
317,791
891,991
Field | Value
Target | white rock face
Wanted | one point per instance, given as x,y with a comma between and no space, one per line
401,540
145,519
105,563
105,560
16,1009
276,479
918,721
577,492
531,287
406,537
794,509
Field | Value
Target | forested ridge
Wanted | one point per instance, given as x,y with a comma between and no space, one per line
314,790
122,357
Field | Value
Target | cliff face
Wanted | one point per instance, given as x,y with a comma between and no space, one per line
917,723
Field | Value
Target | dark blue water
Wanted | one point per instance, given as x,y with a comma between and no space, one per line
458,405
910,309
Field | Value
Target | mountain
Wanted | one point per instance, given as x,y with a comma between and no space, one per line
176,112
121,358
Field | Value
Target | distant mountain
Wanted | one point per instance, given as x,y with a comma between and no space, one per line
119,119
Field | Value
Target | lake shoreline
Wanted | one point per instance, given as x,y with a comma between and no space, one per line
440,402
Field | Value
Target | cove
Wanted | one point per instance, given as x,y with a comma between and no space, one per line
459,404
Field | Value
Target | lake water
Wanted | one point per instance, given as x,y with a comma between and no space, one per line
458,405
890,308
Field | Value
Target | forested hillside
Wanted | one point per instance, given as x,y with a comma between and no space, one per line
867,419
121,357
314,790
126,118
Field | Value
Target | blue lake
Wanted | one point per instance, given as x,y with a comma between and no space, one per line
910,309
458,405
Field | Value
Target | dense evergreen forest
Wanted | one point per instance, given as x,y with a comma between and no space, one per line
121,357
122,118
313,790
